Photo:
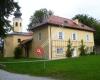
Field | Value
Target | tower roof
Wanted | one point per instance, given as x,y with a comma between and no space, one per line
17,13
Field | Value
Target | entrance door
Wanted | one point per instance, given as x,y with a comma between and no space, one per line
74,53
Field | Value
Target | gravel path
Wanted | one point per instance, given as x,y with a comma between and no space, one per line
4,75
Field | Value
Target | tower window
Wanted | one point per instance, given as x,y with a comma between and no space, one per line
16,23
20,24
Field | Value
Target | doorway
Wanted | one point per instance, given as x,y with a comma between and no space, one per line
74,52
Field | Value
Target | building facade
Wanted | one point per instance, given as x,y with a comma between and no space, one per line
53,36
11,41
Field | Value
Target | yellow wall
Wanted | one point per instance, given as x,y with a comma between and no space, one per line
17,28
41,43
11,42
49,42
81,35
8,46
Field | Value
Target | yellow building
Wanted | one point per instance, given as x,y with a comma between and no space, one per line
11,41
53,34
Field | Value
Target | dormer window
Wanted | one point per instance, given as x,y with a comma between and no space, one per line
65,22
82,25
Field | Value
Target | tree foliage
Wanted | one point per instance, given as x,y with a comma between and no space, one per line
6,8
91,22
18,52
39,16
82,48
69,49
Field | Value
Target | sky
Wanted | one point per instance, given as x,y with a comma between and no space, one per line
63,8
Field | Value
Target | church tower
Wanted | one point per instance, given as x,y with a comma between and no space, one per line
17,21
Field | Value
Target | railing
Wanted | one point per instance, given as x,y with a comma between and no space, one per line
63,44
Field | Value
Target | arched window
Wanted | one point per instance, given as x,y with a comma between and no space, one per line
20,24
16,23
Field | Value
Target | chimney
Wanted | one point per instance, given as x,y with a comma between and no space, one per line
76,21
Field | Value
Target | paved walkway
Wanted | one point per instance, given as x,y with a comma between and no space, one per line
24,61
4,75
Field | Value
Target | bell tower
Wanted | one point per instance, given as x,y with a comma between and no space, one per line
17,21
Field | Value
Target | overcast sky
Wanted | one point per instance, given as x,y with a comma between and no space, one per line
63,8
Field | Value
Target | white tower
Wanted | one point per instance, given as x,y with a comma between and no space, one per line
17,21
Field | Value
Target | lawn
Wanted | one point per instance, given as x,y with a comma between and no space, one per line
17,60
82,68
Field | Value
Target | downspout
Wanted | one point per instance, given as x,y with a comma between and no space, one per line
50,43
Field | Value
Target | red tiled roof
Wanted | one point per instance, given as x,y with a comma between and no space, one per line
60,21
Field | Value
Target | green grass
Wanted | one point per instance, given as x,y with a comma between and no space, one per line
82,68
16,60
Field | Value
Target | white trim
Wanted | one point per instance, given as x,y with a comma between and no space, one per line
75,36
62,35
87,37
60,50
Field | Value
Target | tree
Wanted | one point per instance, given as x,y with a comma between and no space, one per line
39,16
18,52
85,19
82,49
91,22
69,49
6,8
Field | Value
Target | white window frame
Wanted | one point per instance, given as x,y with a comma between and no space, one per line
61,35
87,37
60,50
75,36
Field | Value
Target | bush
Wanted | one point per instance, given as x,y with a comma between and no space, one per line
18,52
83,49
92,53
69,49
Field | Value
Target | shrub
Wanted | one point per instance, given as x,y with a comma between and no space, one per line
82,49
18,52
92,53
69,49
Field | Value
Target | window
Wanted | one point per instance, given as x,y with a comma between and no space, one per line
87,38
19,40
39,36
65,23
61,35
74,36
20,24
16,23
59,50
